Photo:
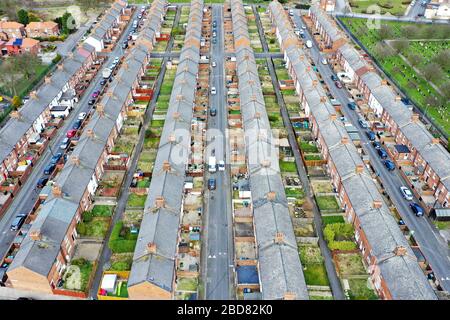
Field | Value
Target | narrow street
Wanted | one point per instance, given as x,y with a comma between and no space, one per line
27,196
432,245
219,248
335,283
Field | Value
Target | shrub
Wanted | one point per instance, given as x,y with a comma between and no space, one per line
81,228
121,266
273,118
16,102
342,245
122,246
87,216
56,59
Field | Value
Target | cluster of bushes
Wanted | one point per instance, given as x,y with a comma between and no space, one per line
385,4
339,236
52,38
304,6
122,240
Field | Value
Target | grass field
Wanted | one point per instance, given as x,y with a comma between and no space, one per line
417,88
394,7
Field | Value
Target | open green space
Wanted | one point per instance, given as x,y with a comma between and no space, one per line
394,7
136,201
332,219
327,203
122,239
286,166
360,291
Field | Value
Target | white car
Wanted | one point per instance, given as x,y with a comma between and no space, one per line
221,165
213,64
116,59
303,27
82,115
213,90
308,44
406,193
324,61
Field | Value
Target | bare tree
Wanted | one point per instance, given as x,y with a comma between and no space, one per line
443,59
400,45
9,75
445,89
415,59
410,31
432,72
27,63
383,51
385,32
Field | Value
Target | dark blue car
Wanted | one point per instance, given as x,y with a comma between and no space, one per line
389,165
382,153
351,105
49,169
417,209
370,135
55,159
376,145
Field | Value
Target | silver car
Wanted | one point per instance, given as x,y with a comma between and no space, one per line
406,193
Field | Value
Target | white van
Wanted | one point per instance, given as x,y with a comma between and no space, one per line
308,44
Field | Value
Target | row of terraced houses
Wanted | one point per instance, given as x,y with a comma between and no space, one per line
49,245
415,147
393,267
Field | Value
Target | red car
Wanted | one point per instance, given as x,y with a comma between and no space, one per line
338,84
95,94
71,133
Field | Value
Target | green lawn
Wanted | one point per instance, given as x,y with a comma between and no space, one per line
394,7
288,166
327,203
315,274
85,269
136,201
121,261
187,284
442,225
102,211
294,192
95,228
350,264
332,219
360,291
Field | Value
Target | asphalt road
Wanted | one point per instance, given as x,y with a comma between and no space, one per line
416,9
432,245
219,257
27,196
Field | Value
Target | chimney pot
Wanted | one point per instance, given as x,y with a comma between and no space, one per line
344,140
279,237
15,114
400,251
172,138
33,94
159,203
359,168
151,247
384,82
265,163
61,66
289,296
47,80
36,235
56,190
333,116
90,133
166,166
398,98
271,195
415,117
376,204
435,141
75,160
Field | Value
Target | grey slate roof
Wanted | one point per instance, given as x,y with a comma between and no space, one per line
280,269
160,225
74,179
402,274
326,24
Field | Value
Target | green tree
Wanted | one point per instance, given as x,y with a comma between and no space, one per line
383,51
385,32
432,72
22,16
415,59
445,89
28,64
400,45
10,73
443,59
16,102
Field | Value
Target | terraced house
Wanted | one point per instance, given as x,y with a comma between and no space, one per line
279,268
392,264
104,30
153,273
26,124
415,147
48,247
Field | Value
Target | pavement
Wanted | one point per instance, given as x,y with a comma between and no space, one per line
335,284
105,254
26,198
218,228
416,9
432,245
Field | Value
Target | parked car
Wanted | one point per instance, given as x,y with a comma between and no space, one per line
302,35
55,159
221,165
376,145
212,112
91,102
351,105
211,184
324,61
64,144
382,153
214,40
18,221
371,135
95,94
125,45
334,77
213,90
308,44
214,34
338,84
214,23
103,82
82,115
77,125
362,123
71,133
417,209
303,27
48,170
389,165
42,182
213,64
406,193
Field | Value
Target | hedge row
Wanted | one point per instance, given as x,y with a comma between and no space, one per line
119,244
